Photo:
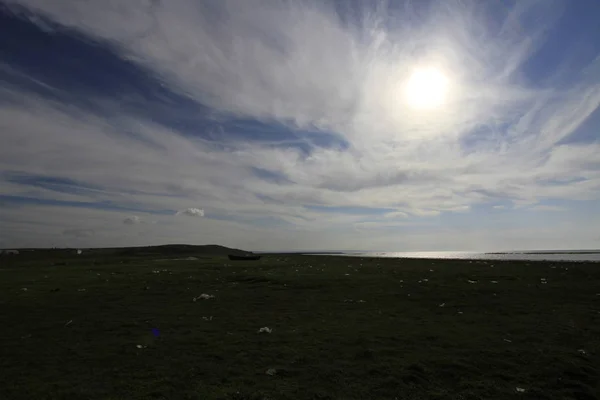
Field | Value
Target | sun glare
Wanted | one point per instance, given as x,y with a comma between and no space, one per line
426,89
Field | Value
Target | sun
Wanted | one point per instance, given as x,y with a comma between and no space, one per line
426,89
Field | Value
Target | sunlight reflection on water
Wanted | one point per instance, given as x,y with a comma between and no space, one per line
537,256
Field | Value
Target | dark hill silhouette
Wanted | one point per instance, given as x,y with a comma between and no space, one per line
181,249
167,250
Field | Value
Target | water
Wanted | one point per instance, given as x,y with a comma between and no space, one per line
566,255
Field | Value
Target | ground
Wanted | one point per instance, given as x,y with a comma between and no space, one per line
117,327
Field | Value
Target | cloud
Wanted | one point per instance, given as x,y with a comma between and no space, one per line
192,212
426,213
80,233
132,220
544,207
396,214
499,207
260,111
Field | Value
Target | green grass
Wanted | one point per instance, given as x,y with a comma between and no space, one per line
398,343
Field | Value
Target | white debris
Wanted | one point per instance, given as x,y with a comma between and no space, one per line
442,305
470,281
460,312
203,296
425,280
81,290
430,270
24,289
271,371
347,274
582,352
207,318
69,322
494,281
265,330
507,340
520,390
361,301
139,346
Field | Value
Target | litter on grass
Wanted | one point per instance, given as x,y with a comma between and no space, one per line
271,371
24,289
69,322
520,390
582,352
442,305
494,281
203,296
265,330
470,281
507,340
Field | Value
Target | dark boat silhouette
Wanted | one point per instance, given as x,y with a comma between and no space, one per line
233,257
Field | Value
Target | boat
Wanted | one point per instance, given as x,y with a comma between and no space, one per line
248,257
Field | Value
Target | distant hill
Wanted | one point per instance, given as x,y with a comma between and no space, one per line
162,250
181,249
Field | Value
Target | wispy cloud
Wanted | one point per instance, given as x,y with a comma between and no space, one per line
81,233
132,220
288,117
543,207
192,212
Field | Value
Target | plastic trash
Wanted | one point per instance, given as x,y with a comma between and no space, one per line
203,296
265,330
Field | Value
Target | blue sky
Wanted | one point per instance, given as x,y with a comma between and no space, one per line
286,125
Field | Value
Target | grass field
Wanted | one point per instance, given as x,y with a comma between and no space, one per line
114,327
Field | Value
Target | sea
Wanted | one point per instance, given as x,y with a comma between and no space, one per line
555,255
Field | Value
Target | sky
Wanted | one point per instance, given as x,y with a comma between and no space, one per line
300,125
